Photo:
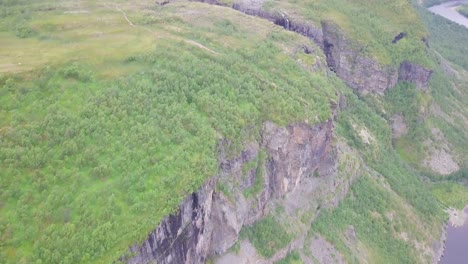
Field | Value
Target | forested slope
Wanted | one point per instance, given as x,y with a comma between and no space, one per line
102,139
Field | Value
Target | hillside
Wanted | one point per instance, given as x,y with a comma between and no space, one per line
190,132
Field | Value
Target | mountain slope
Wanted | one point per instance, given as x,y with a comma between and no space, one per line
189,132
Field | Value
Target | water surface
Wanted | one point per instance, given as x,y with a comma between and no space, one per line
456,245
448,10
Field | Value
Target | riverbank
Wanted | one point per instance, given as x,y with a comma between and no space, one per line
439,247
457,217
456,222
449,11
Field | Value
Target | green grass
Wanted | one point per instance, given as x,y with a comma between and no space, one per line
105,126
291,258
408,102
368,208
446,37
463,9
373,29
268,236
369,201
97,146
451,194
258,164
57,37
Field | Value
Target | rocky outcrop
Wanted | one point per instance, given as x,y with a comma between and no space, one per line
398,125
364,73
208,222
357,70
416,74
398,37
325,252
344,57
308,30
180,238
255,8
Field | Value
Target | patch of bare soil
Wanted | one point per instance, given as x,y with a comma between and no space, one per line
442,162
440,159
325,252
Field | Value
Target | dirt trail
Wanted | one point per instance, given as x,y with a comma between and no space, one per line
159,35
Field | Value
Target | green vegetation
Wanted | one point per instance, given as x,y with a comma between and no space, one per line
401,179
111,114
463,9
377,205
259,164
94,152
268,236
459,176
236,247
451,194
367,209
291,258
373,29
389,206
446,37
450,94
406,101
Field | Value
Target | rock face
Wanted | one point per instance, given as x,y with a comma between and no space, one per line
364,73
308,30
324,251
358,71
410,72
208,222
180,237
399,127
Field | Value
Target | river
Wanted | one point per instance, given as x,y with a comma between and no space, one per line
456,244
448,10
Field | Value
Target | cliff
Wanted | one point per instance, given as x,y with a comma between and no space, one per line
280,164
208,222
200,134
344,56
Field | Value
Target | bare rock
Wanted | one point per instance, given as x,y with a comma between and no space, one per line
247,255
399,127
413,73
357,70
442,162
350,235
324,251
208,221
181,237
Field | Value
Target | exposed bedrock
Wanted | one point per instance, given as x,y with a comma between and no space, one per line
358,71
362,72
414,73
208,221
